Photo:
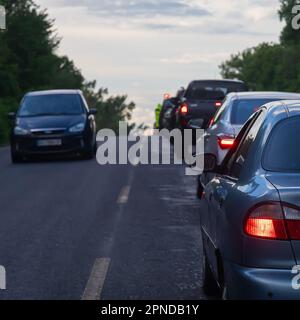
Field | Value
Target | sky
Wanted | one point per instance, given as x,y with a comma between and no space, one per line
145,48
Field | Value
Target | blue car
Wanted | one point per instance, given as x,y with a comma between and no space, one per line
250,217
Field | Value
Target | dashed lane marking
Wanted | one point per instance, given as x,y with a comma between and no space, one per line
124,195
95,284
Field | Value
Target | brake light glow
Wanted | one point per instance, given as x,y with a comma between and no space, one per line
226,143
266,228
167,96
218,104
184,109
274,222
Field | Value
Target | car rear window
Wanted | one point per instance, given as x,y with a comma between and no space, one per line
282,152
52,104
242,110
212,90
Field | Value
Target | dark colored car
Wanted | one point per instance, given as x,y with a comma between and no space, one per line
168,113
53,122
202,99
251,209
167,118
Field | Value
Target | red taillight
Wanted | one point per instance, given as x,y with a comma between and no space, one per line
211,122
272,221
226,142
292,216
266,222
218,104
293,229
184,109
167,96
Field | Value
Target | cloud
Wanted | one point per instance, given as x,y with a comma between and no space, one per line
136,8
146,48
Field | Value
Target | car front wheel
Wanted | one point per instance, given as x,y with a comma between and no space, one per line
89,153
16,157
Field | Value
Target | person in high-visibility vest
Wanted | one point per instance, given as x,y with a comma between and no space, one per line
157,115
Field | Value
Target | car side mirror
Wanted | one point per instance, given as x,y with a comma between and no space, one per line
210,163
11,115
93,111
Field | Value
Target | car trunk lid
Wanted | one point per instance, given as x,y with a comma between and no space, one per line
288,186
202,109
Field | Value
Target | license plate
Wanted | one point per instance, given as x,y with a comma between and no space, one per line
196,123
49,143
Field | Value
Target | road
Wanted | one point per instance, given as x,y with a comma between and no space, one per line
72,229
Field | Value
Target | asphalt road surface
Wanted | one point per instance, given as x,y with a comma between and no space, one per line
72,229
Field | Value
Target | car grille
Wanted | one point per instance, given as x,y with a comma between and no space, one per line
44,133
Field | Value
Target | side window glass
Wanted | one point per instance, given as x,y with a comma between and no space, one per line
244,147
220,112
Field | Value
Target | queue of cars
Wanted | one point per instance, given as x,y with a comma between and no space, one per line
249,190
250,187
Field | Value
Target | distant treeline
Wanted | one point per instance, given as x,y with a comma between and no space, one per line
270,66
28,61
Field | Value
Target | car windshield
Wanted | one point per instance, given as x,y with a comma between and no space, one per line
212,90
243,109
45,105
282,153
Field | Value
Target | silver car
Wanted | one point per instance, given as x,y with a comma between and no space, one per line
250,216
229,119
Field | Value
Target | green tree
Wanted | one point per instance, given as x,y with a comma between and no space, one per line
28,61
289,36
111,109
270,66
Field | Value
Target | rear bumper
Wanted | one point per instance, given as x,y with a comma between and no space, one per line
184,121
70,144
259,284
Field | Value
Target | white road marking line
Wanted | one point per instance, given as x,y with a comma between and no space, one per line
124,195
94,287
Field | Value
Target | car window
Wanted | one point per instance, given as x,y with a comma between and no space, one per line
282,152
244,140
212,90
218,116
244,108
52,104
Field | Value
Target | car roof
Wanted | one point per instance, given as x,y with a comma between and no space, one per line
52,92
291,106
264,94
219,80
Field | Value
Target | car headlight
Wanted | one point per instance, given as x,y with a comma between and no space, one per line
21,131
79,127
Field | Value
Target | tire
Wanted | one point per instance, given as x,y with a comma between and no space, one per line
95,148
89,154
210,286
16,158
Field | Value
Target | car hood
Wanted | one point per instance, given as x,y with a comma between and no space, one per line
50,122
